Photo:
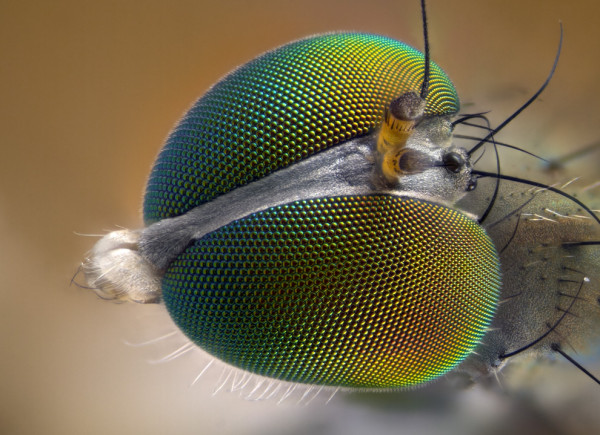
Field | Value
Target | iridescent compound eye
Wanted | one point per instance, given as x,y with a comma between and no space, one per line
280,109
360,292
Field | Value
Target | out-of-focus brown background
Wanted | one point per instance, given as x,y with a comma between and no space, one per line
88,92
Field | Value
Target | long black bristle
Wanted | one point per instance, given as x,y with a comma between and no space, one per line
541,186
528,102
556,348
551,328
425,85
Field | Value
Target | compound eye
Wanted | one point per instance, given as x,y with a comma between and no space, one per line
354,292
453,162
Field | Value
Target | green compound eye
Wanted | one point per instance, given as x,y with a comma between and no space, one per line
284,107
360,292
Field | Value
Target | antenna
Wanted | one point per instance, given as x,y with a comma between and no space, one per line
425,85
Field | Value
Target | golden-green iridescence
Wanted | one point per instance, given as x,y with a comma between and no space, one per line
283,107
361,292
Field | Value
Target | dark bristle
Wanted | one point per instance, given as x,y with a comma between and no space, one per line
464,118
568,280
527,103
512,236
505,298
541,186
473,125
571,269
504,145
562,310
556,348
589,243
425,85
551,328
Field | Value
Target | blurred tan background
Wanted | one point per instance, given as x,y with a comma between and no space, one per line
88,92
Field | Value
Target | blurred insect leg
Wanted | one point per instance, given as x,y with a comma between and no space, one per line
566,159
